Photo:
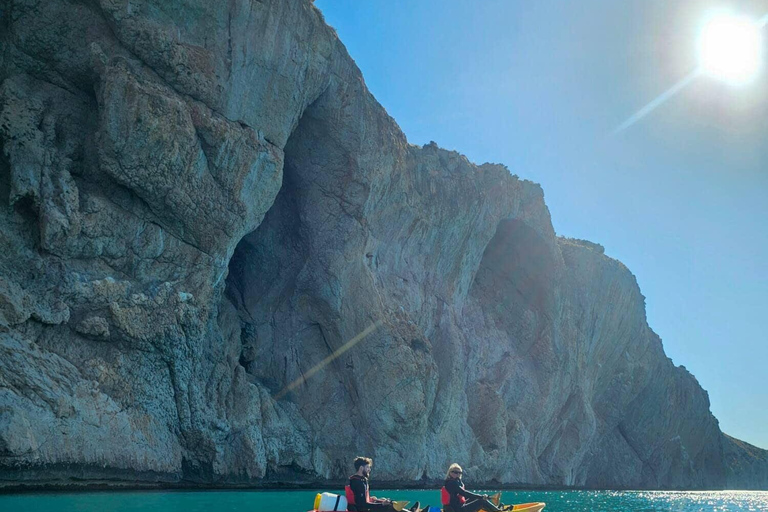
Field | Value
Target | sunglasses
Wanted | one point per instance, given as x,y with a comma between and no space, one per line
455,472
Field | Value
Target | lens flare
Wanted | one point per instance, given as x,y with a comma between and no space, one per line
730,48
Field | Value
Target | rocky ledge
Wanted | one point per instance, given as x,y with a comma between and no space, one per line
221,263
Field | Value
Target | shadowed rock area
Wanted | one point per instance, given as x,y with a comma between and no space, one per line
201,202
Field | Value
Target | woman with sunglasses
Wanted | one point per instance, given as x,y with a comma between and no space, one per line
457,499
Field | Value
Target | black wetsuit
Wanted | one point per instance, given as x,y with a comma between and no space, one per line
359,487
455,488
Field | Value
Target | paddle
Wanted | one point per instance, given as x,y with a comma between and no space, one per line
496,499
399,505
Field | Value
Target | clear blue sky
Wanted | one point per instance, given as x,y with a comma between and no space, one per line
680,197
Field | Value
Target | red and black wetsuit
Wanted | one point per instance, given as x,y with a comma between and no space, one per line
458,499
358,498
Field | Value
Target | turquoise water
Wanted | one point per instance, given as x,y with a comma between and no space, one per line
301,501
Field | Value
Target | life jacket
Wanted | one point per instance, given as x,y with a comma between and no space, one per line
445,497
351,495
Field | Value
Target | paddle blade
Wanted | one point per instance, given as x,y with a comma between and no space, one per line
496,499
399,505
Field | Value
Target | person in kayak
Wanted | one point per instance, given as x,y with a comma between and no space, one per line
358,498
457,499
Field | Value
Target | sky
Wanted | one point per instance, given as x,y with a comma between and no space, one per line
679,197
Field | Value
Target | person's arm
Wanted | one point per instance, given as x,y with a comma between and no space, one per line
469,494
374,499
373,504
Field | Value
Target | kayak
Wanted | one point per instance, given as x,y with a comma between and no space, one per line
529,507
331,502
522,507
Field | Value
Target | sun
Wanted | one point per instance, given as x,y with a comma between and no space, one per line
730,48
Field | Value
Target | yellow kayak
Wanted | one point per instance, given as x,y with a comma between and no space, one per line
528,507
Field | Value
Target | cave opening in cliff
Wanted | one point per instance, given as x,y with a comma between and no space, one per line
516,279
264,272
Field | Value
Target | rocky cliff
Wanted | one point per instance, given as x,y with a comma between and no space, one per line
746,465
222,262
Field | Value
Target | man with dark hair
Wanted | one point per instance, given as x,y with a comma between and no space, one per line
358,498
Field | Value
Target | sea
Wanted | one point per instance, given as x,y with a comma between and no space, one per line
302,501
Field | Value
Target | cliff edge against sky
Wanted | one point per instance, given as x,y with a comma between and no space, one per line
201,201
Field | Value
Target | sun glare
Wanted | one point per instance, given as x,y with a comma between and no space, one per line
730,48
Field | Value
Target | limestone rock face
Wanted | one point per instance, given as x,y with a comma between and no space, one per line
222,262
746,465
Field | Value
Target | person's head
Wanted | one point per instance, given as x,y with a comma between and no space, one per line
454,472
363,466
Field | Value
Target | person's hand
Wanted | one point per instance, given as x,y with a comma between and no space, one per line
485,496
